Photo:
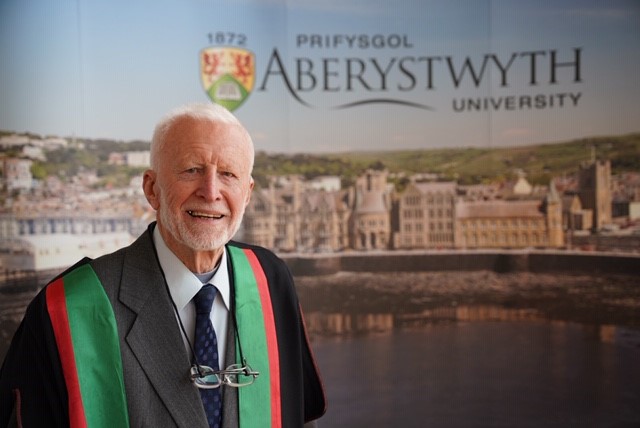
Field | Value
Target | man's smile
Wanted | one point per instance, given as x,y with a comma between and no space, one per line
204,215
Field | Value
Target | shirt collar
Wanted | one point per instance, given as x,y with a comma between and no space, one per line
183,284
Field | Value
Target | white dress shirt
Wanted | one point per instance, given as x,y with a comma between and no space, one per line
183,286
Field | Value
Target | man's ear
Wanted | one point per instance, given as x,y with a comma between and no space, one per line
248,199
149,188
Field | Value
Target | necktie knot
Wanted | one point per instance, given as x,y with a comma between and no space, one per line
204,299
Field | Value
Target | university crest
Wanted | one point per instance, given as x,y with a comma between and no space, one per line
227,75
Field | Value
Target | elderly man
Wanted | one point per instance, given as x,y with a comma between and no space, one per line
182,328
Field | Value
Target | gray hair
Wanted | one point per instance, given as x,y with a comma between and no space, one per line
200,111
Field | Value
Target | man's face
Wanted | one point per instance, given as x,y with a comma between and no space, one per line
202,184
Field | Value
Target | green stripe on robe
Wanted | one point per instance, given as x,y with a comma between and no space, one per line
97,349
254,400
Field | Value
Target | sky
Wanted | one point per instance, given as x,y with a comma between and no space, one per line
113,69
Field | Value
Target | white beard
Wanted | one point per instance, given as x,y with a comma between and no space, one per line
199,240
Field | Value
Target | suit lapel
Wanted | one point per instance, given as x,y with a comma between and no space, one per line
154,337
230,394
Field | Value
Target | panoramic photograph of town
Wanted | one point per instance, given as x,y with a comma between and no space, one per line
377,242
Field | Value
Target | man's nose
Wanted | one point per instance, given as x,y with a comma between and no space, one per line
209,188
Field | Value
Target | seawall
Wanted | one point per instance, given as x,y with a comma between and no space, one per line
496,261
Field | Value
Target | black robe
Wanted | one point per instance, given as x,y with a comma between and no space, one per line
33,389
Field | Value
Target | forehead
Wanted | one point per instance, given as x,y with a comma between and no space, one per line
196,137
188,129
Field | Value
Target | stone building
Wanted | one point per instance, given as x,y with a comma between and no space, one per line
594,184
502,224
552,208
286,199
426,216
370,222
519,223
574,217
258,225
292,216
323,222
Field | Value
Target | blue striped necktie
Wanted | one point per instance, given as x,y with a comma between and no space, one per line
206,349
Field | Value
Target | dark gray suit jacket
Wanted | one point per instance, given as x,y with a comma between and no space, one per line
154,359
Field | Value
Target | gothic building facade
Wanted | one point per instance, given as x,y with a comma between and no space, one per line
293,216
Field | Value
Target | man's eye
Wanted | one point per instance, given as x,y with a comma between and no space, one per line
191,170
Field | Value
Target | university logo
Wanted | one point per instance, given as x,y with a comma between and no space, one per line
227,74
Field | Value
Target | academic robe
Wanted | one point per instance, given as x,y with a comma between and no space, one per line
154,360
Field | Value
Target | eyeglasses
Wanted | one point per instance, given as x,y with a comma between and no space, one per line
236,375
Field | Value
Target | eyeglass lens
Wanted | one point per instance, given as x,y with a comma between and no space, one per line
235,375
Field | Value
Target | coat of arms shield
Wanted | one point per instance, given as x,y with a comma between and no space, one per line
227,74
